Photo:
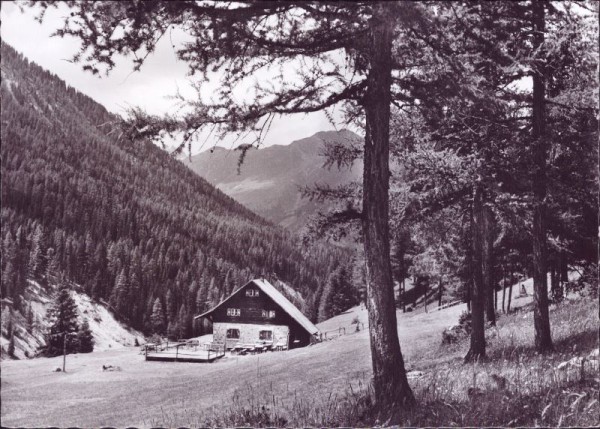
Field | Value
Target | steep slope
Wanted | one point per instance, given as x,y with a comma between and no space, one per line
28,331
130,224
270,178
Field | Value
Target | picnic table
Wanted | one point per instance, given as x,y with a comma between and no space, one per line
257,347
280,346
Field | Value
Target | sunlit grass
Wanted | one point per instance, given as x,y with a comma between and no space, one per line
516,386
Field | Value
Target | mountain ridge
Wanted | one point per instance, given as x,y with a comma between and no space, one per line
270,179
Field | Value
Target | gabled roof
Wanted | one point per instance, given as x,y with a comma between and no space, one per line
276,296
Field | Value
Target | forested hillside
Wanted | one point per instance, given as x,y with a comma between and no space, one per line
133,226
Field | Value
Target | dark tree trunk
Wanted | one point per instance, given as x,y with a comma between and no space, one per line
440,292
563,273
563,268
391,386
477,349
495,298
487,263
469,264
541,319
503,288
469,294
404,295
555,286
510,286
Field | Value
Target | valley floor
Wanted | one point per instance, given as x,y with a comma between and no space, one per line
144,394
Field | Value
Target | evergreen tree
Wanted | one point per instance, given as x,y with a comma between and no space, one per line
324,311
62,318
85,338
157,319
9,273
119,295
30,319
171,306
9,278
11,343
53,267
37,256
345,294
173,330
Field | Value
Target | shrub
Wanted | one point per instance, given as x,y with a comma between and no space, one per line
454,333
464,321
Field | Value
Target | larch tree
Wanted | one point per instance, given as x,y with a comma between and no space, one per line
312,57
531,50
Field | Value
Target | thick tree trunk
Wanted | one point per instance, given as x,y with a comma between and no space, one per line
487,263
541,319
391,387
478,292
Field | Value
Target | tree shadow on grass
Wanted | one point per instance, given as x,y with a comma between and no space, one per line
580,342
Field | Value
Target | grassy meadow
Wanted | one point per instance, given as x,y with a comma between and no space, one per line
327,384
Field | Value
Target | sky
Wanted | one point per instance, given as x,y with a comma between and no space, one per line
161,76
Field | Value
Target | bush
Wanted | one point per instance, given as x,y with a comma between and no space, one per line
450,335
454,333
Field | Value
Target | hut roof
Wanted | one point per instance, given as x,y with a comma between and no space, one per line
276,296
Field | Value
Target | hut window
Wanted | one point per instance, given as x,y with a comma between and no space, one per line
233,311
265,335
268,314
251,292
233,334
